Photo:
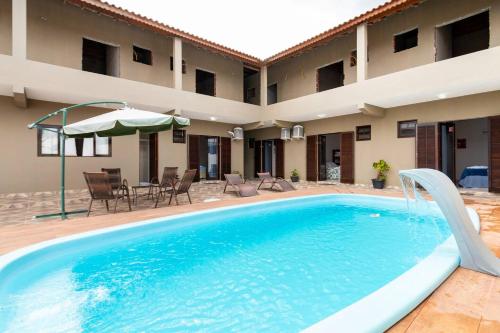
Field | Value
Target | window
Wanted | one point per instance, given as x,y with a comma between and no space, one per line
462,37
49,144
251,143
205,82
363,133
183,65
406,40
329,77
142,56
353,58
100,58
48,140
179,136
407,128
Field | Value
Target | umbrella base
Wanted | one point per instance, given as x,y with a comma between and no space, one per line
61,214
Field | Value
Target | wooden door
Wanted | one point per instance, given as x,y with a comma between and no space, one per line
312,158
153,155
194,154
280,158
427,146
347,157
225,156
494,153
257,157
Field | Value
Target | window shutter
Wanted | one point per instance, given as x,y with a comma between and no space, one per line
347,157
194,154
312,158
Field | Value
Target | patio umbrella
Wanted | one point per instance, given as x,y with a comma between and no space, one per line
124,121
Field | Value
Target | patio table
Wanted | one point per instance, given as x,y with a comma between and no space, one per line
152,189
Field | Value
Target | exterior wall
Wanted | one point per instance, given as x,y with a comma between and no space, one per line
384,144
66,25
55,32
228,72
297,76
24,171
427,16
6,27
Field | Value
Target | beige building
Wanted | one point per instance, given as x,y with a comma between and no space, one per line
415,83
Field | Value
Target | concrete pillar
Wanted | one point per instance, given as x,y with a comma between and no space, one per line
19,24
362,52
263,86
177,63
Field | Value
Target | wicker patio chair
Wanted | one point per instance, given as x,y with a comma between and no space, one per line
100,188
168,180
115,178
182,188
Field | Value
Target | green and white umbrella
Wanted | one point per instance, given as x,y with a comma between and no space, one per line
125,121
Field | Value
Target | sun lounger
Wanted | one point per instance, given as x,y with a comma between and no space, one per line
239,185
266,178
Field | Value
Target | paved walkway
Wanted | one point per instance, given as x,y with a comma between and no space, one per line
466,302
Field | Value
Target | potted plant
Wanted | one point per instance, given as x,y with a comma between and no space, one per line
294,175
382,168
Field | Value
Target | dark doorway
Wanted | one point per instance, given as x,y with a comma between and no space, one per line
269,157
330,157
251,82
210,155
148,157
447,149
99,58
465,36
205,82
331,76
272,94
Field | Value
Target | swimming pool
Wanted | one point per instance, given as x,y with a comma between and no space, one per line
284,265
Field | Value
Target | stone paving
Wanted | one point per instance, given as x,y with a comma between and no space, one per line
19,208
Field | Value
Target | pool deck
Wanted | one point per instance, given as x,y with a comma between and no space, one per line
466,302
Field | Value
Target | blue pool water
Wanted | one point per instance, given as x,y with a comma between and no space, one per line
273,267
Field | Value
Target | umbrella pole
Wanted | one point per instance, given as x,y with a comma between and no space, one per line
63,213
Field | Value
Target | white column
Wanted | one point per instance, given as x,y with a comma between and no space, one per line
177,63
362,52
19,28
263,86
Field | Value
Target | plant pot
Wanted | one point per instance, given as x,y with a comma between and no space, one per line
294,179
378,184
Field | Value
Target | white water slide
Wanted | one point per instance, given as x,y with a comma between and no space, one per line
474,254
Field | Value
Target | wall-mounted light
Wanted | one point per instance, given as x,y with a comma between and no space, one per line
236,134
298,132
285,134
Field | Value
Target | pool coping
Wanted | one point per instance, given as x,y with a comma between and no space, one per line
376,315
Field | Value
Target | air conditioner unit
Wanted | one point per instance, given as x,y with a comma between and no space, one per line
236,134
298,132
285,134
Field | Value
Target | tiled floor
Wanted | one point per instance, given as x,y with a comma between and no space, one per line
466,302
19,208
